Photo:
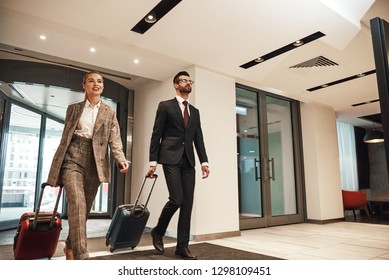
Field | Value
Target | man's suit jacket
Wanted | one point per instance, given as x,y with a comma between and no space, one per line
170,139
105,132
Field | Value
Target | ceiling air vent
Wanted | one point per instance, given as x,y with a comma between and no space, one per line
319,61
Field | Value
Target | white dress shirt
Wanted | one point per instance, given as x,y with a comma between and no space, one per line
87,120
182,106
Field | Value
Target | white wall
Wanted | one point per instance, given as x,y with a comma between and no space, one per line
216,201
215,207
321,162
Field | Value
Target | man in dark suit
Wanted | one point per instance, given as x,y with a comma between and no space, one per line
176,129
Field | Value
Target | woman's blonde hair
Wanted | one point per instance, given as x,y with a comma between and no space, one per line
91,72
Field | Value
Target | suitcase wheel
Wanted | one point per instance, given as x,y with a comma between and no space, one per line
111,249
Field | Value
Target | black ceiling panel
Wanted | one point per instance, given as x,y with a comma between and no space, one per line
283,49
357,76
159,11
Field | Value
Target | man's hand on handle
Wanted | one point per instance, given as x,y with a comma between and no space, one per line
151,171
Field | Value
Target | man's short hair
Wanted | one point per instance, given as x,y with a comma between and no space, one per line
177,76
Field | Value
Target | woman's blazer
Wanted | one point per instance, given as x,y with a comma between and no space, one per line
106,132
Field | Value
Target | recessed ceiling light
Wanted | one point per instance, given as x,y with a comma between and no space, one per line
151,18
42,37
92,49
136,61
298,43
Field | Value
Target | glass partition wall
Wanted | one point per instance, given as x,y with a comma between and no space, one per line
31,125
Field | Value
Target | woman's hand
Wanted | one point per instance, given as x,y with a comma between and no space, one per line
123,166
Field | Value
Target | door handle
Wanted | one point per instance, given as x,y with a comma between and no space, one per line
272,176
256,169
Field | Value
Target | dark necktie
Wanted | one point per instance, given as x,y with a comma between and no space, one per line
186,114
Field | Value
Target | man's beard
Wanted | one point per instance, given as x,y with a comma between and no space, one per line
185,90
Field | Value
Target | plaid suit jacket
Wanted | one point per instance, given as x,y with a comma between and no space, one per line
106,132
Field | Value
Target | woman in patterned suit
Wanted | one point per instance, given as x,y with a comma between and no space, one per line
82,161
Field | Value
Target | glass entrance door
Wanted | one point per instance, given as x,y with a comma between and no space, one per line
280,168
249,159
20,164
269,193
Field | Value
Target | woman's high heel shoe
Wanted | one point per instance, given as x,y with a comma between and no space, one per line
68,253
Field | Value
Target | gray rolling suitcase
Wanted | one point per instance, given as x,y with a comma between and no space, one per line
128,222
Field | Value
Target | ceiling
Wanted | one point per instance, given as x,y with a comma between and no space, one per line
217,35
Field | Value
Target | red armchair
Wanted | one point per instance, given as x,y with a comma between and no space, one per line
355,200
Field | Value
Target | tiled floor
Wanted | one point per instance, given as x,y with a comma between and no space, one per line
335,241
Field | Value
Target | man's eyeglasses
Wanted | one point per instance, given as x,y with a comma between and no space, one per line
186,81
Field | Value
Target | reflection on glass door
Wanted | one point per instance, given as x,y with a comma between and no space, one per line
52,138
250,201
2,111
280,162
249,159
19,180
266,160
250,195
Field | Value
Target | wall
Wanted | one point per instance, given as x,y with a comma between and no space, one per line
321,161
215,208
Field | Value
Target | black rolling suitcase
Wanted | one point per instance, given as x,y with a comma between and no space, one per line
128,222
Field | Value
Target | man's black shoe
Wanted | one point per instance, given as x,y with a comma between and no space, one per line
157,241
185,254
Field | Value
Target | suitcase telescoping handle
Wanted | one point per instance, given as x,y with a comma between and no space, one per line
44,185
155,176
